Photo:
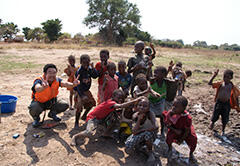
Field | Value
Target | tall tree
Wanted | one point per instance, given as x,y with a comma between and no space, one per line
8,30
25,32
111,16
52,28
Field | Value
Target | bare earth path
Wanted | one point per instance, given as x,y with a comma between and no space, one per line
54,148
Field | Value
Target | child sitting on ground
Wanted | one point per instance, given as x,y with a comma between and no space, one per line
144,130
124,78
70,71
150,51
110,82
83,96
226,98
100,112
180,127
101,67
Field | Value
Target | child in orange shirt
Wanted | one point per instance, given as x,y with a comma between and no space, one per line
70,71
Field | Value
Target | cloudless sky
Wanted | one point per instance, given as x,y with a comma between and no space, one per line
213,21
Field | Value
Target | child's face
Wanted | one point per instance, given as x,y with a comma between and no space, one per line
71,62
138,48
143,106
159,75
119,98
85,63
227,78
121,68
142,84
104,58
177,107
147,52
112,71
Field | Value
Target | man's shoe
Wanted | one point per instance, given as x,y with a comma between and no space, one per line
54,117
36,122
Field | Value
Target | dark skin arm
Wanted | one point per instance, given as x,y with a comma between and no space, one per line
140,118
214,75
127,104
154,51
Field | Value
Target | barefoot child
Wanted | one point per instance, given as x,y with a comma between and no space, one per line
101,67
226,98
110,82
180,127
144,130
70,71
100,112
83,96
137,64
124,78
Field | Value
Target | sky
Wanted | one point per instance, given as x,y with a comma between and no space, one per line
213,21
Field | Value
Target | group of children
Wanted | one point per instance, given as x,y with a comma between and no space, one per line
139,96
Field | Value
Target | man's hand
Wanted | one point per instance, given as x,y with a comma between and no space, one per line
44,83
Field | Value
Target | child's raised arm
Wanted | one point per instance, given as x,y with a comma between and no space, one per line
127,104
214,75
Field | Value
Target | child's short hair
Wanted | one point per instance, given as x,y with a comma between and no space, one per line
140,76
71,57
228,72
110,65
182,100
188,73
85,57
162,69
104,51
179,64
47,66
144,98
122,62
117,92
140,43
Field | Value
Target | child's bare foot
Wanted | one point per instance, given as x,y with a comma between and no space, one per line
211,126
76,125
73,142
71,108
192,158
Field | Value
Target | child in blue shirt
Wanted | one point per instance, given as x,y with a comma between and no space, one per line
124,78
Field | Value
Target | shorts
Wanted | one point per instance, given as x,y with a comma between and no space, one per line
134,141
93,129
223,109
87,104
158,107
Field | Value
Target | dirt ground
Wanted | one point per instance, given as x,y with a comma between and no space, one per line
54,148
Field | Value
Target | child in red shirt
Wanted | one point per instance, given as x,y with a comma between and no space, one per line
101,67
110,82
180,127
102,111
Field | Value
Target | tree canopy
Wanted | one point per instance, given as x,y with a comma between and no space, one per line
52,28
8,30
110,16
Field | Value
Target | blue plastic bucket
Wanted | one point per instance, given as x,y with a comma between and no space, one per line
8,103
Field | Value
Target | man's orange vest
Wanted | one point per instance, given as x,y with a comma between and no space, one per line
47,94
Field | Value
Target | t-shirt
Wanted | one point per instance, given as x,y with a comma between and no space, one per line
124,81
138,59
85,79
102,110
160,90
111,85
98,67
